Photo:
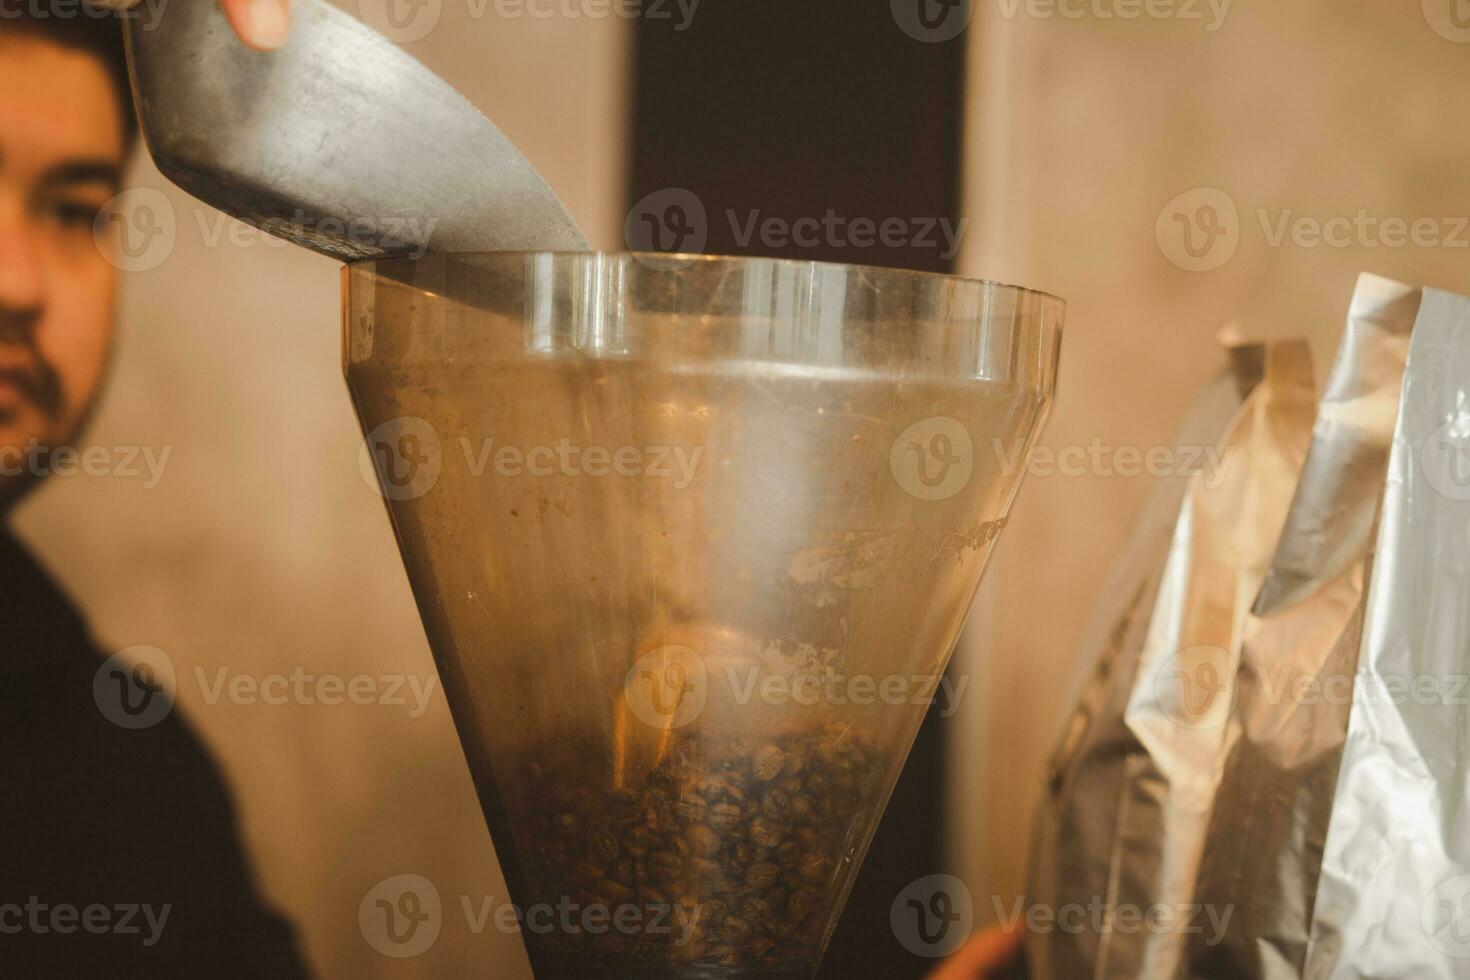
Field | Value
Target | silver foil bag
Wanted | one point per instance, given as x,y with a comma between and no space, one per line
1129,791
1392,897
1307,812
1284,736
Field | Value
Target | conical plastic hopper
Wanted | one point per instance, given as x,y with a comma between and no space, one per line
692,539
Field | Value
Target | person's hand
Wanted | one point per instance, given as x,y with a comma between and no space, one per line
988,954
262,24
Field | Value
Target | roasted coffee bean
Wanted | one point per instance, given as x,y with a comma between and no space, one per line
776,804
605,843
702,839
761,875
757,909
724,817
768,763
799,905
710,787
814,867
613,892
666,864
744,836
736,930
765,832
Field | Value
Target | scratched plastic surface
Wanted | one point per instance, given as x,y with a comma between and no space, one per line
692,540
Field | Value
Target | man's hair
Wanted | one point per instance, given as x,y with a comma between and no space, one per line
89,30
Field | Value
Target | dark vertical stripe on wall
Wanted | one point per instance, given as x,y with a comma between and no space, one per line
792,109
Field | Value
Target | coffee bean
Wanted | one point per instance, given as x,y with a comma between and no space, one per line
613,892
724,817
746,835
761,875
813,867
765,832
768,763
799,905
776,804
736,930
605,843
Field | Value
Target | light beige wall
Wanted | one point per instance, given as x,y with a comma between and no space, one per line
1080,133
262,549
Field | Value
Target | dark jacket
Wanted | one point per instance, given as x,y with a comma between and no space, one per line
118,848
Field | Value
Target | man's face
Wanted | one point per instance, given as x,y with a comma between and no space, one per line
62,142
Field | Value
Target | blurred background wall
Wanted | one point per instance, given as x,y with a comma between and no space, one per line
1087,140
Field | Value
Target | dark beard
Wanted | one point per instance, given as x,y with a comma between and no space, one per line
40,384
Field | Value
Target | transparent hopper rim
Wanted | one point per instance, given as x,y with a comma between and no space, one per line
676,261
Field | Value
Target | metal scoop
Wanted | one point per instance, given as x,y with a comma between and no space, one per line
338,141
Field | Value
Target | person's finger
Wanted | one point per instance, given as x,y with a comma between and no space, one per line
262,24
983,955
